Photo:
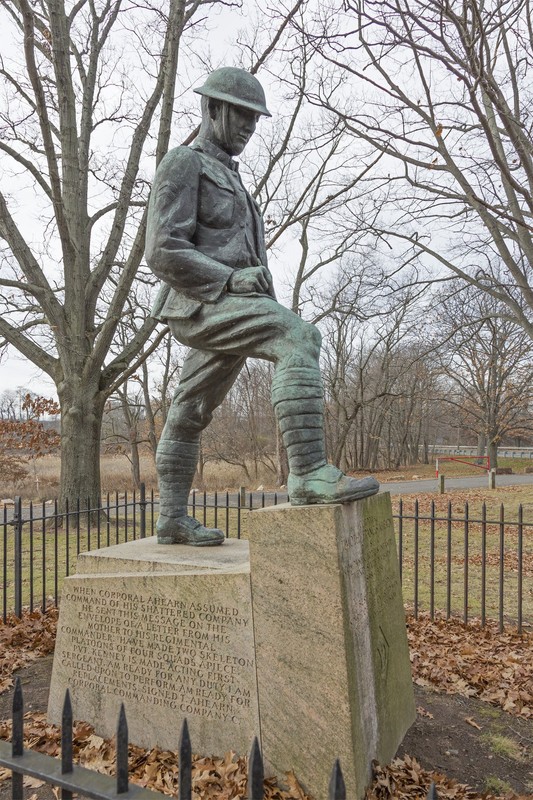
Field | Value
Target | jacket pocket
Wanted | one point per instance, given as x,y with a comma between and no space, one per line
216,207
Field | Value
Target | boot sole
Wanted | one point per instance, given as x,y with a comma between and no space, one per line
316,500
185,540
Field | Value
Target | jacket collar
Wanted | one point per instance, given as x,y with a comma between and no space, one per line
211,149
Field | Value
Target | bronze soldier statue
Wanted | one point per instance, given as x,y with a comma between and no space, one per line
205,240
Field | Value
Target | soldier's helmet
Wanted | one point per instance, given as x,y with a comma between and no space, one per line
235,86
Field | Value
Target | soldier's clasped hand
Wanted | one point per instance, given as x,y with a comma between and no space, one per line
249,279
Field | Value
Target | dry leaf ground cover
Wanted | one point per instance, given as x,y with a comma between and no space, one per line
462,734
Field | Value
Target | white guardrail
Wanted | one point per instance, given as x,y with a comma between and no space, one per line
503,452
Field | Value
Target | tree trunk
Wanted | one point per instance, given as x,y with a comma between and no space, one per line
481,446
135,459
493,452
81,420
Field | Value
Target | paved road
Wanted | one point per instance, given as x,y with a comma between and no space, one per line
471,482
399,487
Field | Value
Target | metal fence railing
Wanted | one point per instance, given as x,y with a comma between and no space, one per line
464,565
472,565
74,779
40,543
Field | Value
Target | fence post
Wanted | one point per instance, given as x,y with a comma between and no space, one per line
17,529
492,479
441,484
242,493
17,739
142,504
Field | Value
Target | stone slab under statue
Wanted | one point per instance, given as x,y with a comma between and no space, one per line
167,631
300,639
333,667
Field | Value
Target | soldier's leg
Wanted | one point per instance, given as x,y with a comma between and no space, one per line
298,400
205,380
262,328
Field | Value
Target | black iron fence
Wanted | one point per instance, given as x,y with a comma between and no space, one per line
473,565
40,543
464,565
71,778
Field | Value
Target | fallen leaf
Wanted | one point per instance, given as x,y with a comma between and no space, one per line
23,639
32,783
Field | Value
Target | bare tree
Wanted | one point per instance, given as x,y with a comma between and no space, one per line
306,176
135,414
10,405
243,431
376,376
488,369
89,90
441,89
305,171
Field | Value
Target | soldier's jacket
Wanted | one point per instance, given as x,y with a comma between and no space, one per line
202,225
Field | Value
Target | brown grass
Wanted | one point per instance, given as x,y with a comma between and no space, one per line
42,481
426,555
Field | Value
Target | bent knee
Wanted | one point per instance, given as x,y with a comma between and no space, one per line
186,418
309,338
301,346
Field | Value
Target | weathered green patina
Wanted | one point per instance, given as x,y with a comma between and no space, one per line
205,240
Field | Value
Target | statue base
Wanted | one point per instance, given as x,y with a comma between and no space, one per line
320,670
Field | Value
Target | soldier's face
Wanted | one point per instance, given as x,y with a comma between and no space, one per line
234,127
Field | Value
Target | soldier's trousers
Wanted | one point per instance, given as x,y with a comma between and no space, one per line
222,336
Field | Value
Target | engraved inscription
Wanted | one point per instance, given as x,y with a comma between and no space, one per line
383,648
159,650
380,555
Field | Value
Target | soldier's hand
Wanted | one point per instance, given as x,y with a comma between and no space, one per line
249,279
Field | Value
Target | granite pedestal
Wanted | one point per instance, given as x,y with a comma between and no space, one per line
333,665
319,670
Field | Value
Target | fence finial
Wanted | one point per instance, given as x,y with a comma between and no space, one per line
122,752
256,773
432,793
185,759
337,787
66,735
17,740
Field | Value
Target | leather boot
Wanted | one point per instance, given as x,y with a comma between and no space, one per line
176,464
